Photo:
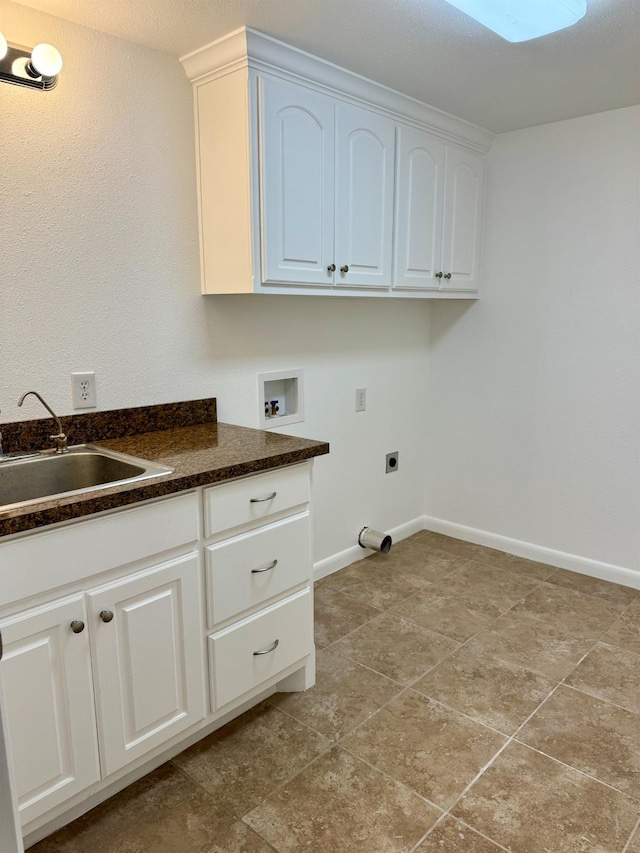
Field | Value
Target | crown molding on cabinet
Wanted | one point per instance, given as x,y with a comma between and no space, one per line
246,47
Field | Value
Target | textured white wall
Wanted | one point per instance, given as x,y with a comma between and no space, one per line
99,270
535,392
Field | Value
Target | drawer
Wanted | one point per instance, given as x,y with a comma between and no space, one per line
255,498
245,571
235,666
53,558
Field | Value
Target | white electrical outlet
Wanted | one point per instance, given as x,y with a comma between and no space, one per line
361,399
83,390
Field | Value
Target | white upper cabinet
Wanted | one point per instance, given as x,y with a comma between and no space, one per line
297,184
462,219
365,146
314,180
326,186
419,204
437,214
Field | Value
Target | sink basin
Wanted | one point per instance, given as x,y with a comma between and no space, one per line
84,468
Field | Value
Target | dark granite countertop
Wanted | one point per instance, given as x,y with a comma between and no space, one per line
201,453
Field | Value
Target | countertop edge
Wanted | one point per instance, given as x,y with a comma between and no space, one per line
85,505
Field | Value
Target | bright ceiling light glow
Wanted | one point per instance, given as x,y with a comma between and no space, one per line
521,20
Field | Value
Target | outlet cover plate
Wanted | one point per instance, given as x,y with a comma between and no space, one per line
392,462
83,389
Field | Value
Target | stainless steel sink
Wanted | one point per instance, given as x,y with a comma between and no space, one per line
83,468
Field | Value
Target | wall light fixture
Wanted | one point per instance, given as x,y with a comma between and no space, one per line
37,68
521,20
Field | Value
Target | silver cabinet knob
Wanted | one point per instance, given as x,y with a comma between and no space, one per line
345,268
439,274
262,500
268,568
331,268
271,648
106,615
77,626
447,276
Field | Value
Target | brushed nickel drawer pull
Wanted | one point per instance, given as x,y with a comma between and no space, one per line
270,649
268,568
106,615
261,500
77,626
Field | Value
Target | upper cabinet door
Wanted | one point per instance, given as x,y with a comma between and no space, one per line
297,176
462,210
365,146
418,209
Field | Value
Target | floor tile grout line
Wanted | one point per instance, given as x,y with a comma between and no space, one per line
577,769
636,829
584,692
467,825
508,742
259,834
395,781
330,745
395,615
339,746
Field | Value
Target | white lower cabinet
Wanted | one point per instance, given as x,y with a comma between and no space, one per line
50,717
147,659
104,669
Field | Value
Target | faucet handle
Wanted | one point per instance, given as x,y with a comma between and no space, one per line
60,441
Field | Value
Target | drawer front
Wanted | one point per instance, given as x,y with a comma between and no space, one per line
255,498
251,568
235,668
51,559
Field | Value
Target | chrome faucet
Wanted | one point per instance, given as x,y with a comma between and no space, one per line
60,439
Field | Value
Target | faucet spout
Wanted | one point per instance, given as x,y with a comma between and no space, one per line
60,439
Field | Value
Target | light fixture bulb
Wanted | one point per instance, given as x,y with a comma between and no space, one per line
521,20
46,60
4,47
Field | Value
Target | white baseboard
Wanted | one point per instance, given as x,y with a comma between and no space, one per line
351,555
560,559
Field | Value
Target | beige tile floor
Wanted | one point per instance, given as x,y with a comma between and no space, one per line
467,701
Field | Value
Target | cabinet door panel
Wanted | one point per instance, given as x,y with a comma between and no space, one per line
462,209
365,144
418,209
297,184
46,674
148,659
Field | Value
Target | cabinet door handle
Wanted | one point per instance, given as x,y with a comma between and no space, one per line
447,275
106,615
272,648
77,626
261,500
268,568
331,268
345,268
439,274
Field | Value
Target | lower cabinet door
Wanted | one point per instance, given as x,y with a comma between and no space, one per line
148,659
50,719
257,648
